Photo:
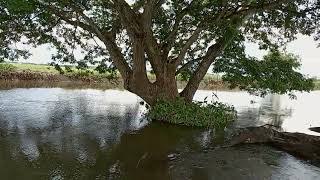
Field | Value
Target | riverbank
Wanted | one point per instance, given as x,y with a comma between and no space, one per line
44,76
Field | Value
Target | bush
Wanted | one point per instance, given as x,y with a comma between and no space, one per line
68,69
83,73
102,68
82,65
111,70
197,114
7,67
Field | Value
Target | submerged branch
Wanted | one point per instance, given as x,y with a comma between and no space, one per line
298,144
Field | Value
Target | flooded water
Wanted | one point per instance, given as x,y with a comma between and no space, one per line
54,133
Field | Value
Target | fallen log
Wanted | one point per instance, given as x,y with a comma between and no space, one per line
297,144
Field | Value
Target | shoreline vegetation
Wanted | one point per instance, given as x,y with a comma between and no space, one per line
39,75
36,75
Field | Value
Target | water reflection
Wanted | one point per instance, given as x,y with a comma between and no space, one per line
94,134
289,114
68,120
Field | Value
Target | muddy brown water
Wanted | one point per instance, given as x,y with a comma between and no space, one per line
55,133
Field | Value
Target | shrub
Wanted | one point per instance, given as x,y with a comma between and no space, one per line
7,67
111,70
197,114
83,73
68,69
82,65
102,68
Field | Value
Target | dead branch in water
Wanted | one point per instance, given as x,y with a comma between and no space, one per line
298,144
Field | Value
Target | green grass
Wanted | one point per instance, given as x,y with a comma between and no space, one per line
50,69
35,67
317,84
6,67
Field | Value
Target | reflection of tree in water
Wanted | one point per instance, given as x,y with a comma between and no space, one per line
147,153
76,124
269,112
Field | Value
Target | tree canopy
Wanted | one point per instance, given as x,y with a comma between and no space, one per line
171,35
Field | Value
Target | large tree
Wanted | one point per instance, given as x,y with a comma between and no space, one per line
170,36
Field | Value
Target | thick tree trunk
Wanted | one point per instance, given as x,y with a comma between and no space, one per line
298,144
165,87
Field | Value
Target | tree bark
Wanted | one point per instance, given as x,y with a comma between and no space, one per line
298,144
194,82
165,87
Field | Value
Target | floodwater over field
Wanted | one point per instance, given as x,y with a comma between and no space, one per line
54,133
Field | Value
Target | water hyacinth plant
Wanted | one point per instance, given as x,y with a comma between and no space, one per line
195,114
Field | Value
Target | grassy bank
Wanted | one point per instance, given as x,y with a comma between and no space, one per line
46,73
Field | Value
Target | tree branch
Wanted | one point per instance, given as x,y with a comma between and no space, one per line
193,38
194,82
129,18
151,45
213,52
105,37
252,9
188,64
139,26
167,44
216,49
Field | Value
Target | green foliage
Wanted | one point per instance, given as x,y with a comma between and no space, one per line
7,67
185,75
196,114
82,65
45,21
103,68
83,73
68,69
276,73
58,68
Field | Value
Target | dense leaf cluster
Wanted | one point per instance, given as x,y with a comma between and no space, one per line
275,73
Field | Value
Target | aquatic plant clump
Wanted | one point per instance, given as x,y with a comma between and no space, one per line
195,114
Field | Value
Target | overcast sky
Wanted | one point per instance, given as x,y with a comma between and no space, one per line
304,46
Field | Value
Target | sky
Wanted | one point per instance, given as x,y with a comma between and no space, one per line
304,46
